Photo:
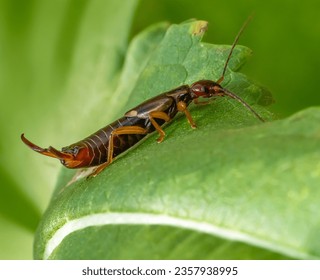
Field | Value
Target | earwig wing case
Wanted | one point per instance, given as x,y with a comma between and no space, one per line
234,188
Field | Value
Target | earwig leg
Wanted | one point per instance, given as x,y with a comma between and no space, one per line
197,102
98,169
120,131
182,107
117,131
162,116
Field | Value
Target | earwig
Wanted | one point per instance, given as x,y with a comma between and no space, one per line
99,149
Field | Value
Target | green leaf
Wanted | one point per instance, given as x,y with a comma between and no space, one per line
233,188
258,186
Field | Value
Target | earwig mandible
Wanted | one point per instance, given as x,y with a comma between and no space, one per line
99,149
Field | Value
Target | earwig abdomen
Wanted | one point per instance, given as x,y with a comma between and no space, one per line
98,142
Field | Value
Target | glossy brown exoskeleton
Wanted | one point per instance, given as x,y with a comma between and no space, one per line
100,148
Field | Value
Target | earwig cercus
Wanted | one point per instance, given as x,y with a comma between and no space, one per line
100,148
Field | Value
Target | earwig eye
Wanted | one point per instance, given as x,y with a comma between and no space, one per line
199,89
205,88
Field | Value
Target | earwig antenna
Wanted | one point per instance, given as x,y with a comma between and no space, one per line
233,46
245,104
226,92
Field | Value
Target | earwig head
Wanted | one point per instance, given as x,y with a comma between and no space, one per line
207,89
74,156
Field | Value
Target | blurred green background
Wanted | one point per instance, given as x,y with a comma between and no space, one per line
39,54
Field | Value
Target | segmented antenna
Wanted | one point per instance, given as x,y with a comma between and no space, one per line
245,104
225,91
233,46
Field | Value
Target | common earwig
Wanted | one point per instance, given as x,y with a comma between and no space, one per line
99,149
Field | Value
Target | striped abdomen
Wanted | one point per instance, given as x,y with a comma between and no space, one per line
98,142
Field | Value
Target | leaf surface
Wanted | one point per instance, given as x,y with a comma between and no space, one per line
232,189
